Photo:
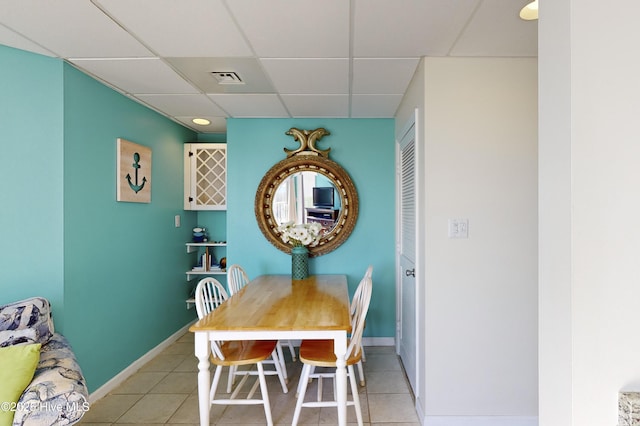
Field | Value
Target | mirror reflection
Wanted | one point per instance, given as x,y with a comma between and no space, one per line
307,197
307,187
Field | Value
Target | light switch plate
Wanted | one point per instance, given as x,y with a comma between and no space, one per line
177,221
458,228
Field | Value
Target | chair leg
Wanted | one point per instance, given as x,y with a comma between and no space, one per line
302,389
232,378
214,385
281,360
265,394
281,374
292,350
354,394
311,371
361,373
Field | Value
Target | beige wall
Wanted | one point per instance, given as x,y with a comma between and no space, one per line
478,141
589,300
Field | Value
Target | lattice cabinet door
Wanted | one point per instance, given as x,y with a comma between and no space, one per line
205,180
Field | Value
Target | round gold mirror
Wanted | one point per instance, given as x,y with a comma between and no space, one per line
307,187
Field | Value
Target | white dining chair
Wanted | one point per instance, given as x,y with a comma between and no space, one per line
368,274
352,312
210,294
238,278
319,353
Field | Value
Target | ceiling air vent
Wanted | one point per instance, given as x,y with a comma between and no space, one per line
227,77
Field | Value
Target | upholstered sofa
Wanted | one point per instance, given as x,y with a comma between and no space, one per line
57,393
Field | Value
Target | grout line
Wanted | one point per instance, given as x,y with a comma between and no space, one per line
293,379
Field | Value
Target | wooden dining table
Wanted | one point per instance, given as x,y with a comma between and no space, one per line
275,307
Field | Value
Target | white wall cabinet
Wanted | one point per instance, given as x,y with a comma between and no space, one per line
205,176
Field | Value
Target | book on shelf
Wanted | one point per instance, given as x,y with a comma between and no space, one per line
211,269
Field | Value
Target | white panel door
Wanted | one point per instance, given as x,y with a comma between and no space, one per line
407,255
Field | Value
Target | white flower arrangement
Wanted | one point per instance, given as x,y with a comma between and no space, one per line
298,235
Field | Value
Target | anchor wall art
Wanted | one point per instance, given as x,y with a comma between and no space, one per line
133,172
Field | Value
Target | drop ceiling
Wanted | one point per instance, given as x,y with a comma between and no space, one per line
296,58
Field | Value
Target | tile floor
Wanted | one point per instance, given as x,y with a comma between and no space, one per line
164,392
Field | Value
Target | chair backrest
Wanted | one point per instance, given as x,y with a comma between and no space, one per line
236,278
361,301
356,295
210,293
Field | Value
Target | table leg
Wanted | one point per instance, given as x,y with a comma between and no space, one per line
340,349
204,377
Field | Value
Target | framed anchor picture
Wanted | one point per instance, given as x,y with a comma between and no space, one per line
133,172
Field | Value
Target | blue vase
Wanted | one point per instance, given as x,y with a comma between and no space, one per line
299,263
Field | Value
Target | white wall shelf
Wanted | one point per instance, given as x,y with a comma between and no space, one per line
191,247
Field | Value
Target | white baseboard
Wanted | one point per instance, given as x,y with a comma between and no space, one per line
480,421
119,378
378,341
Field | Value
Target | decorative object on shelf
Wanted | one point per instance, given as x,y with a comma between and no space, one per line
338,221
133,166
215,251
300,236
200,235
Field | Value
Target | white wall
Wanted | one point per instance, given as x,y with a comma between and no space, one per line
480,294
554,238
597,307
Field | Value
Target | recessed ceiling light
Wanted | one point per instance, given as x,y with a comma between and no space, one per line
530,11
201,121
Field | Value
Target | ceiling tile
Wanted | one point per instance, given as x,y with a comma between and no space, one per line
300,28
250,105
308,76
137,76
374,106
411,28
188,28
12,39
497,30
198,71
218,124
317,105
183,105
383,75
70,28
297,58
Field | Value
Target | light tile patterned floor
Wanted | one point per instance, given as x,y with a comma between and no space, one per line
164,392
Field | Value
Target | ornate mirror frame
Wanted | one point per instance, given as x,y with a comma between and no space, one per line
307,158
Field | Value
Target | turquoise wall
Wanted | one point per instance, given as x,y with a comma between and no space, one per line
124,262
365,149
31,177
114,271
